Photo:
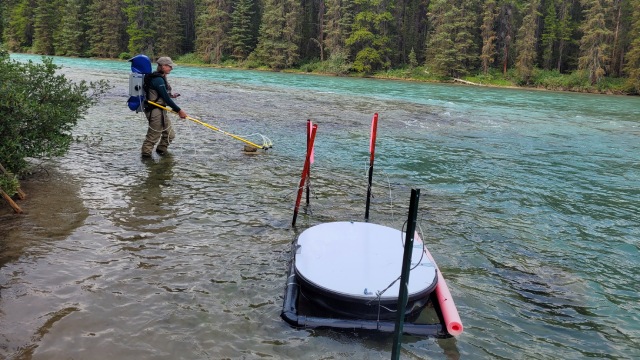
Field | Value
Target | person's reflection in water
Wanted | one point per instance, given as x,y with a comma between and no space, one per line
151,202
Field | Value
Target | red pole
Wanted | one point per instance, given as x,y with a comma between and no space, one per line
372,151
305,173
309,126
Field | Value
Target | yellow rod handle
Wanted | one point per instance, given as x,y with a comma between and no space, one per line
209,126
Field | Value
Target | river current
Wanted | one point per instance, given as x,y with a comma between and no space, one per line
530,204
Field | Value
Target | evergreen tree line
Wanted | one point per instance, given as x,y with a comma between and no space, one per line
450,38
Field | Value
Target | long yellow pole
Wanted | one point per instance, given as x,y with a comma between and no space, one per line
210,126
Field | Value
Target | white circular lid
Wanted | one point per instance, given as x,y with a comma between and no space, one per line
360,259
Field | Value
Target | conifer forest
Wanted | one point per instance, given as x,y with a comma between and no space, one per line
450,38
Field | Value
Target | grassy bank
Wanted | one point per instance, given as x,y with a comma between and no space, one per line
541,79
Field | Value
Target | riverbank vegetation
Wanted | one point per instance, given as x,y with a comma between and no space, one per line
38,110
586,45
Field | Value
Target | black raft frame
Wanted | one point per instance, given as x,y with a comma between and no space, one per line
293,317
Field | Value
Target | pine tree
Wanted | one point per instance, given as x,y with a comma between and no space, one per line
242,37
319,27
565,30
46,26
141,26
338,20
278,42
370,37
413,60
550,34
594,45
168,34
187,11
505,33
107,29
73,40
451,49
466,33
18,31
311,33
621,20
632,65
488,53
527,42
411,28
441,53
212,28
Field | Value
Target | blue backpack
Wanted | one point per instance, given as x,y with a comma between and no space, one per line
140,67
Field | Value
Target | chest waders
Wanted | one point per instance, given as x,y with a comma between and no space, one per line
153,95
150,108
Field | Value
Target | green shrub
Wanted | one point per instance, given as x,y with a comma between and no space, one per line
38,110
253,62
230,62
337,64
413,60
9,184
494,77
400,73
554,80
190,58
631,86
311,66
613,85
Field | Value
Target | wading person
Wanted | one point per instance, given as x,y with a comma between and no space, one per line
158,90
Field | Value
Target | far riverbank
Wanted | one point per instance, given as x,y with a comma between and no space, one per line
552,80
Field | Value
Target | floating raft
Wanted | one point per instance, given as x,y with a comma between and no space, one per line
346,272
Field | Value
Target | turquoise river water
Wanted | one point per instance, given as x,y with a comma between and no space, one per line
530,204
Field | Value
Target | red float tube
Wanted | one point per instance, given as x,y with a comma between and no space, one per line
447,306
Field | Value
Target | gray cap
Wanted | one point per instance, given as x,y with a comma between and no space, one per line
165,60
